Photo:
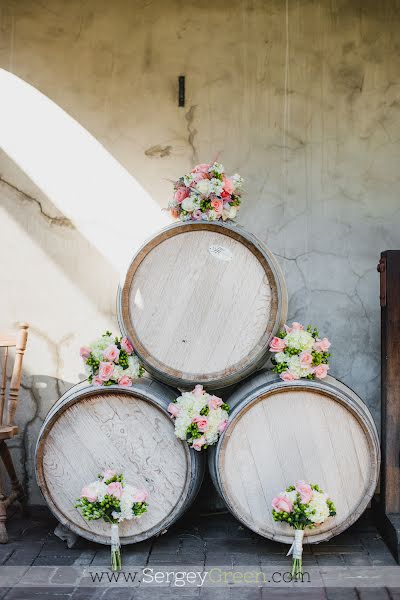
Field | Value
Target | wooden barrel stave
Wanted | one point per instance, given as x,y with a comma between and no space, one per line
195,350
354,422
90,428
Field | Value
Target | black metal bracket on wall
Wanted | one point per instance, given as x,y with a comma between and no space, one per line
387,507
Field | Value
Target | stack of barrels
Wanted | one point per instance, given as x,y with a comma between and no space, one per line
200,304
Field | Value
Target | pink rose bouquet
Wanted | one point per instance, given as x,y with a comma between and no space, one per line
206,194
111,499
200,418
301,505
299,352
111,360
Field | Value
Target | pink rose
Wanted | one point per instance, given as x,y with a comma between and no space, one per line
199,176
321,371
199,443
228,185
305,491
173,408
277,345
198,391
111,353
201,422
222,426
288,376
115,489
106,369
295,327
197,215
214,402
125,380
108,474
217,205
140,496
84,352
126,345
88,493
305,359
322,345
97,381
282,503
201,168
180,194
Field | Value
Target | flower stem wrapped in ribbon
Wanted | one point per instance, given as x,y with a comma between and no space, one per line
110,499
206,194
111,360
300,353
200,418
301,506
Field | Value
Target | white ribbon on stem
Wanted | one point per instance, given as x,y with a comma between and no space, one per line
115,536
297,547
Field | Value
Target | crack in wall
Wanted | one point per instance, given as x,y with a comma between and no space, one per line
192,132
58,221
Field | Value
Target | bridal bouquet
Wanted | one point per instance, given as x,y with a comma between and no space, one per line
300,353
199,417
301,505
110,499
206,194
110,360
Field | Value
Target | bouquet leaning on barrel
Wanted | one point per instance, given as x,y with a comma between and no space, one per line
112,500
301,505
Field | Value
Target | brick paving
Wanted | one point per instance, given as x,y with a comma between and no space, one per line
201,541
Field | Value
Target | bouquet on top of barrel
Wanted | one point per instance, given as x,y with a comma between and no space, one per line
111,360
301,506
206,194
300,352
111,499
200,418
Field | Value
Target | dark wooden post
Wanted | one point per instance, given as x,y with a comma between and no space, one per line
388,509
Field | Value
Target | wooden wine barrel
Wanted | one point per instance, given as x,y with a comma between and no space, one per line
200,303
282,432
124,428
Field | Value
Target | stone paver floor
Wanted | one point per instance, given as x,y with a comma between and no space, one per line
214,543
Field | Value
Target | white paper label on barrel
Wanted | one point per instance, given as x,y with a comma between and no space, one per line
220,252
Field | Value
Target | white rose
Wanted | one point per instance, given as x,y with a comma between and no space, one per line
229,213
190,204
204,187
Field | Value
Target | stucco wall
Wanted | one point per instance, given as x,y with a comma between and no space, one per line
301,98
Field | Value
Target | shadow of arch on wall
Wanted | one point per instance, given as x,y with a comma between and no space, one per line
93,193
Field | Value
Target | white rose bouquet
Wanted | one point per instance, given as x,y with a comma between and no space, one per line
114,501
200,418
300,353
111,360
301,505
206,194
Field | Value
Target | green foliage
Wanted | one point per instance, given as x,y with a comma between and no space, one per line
279,367
139,508
226,407
314,331
193,432
205,410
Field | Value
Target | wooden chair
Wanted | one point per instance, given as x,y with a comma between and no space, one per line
8,405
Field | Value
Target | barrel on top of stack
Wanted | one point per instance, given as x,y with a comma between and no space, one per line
281,432
127,429
200,303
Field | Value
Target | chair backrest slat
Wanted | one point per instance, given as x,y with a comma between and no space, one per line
22,338
7,341
3,385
